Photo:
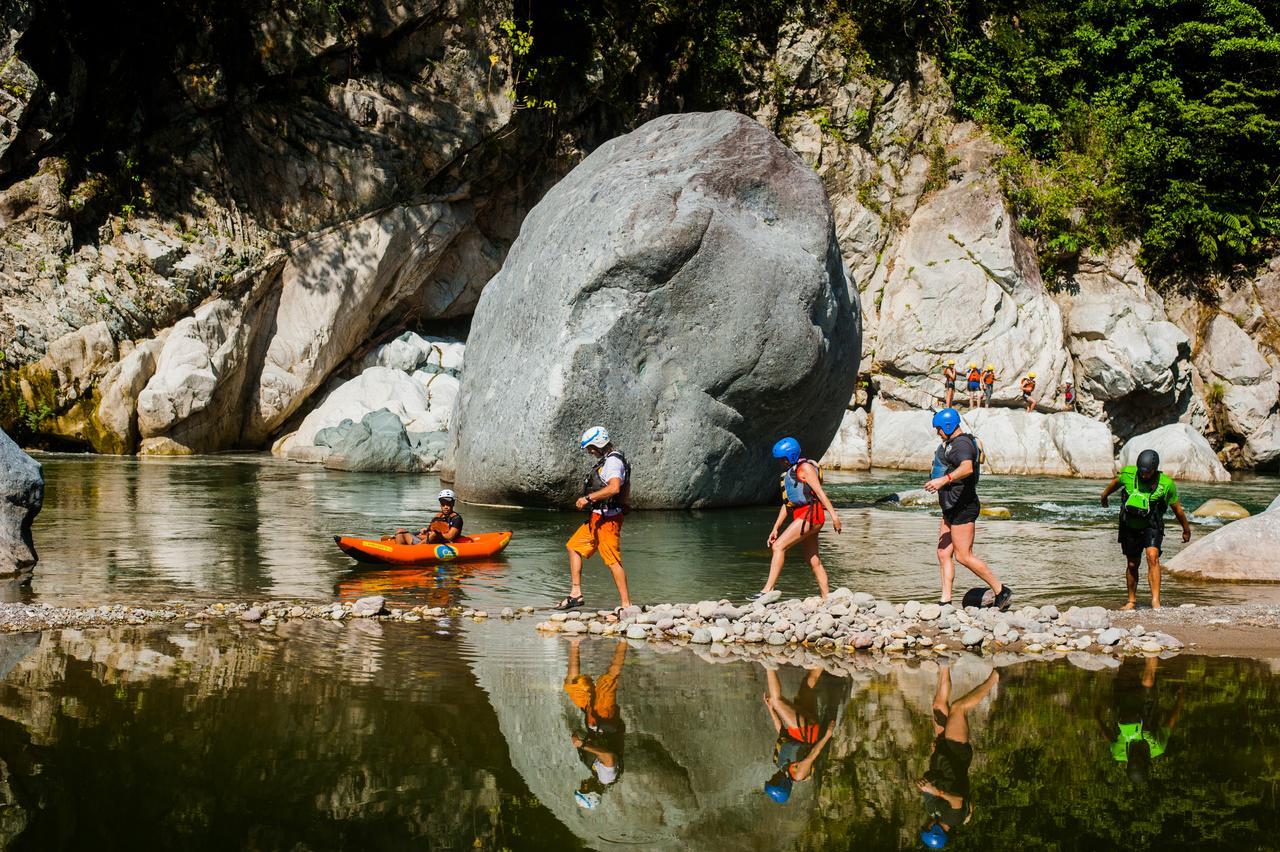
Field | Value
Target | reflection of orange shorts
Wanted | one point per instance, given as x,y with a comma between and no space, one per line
599,699
599,534
813,513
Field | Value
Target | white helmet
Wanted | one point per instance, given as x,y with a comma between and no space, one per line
447,494
596,436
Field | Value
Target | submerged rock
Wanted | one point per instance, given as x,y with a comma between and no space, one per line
21,496
1242,551
1219,507
683,287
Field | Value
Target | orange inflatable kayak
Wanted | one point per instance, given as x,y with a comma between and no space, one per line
462,548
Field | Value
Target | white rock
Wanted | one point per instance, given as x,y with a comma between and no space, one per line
1184,453
635,631
850,449
701,636
334,290
964,282
972,636
1111,635
929,612
369,606
1242,551
411,351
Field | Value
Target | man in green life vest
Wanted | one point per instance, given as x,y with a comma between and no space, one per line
1145,494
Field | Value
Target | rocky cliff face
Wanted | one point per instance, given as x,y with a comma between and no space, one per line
209,215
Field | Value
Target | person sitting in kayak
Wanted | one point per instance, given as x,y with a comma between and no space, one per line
444,527
808,505
801,736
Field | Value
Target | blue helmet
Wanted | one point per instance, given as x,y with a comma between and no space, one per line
948,420
935,836
779,788
787,448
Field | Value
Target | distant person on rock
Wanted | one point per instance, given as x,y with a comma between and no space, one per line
956,468
1068,392
1146,493
1140,732
808,505
606,494
988,385
601,738
444,527
949,376
975,386
945,785
1028,388
801,735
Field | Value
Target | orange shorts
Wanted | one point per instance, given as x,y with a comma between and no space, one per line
599,534
813,513
599,698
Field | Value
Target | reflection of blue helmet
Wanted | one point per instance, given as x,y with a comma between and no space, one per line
935,836
787,448
948,420
779,788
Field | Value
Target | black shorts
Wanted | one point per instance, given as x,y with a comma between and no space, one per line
1135,542
965,513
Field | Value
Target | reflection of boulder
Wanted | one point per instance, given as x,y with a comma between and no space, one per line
21,496
681,286
698,749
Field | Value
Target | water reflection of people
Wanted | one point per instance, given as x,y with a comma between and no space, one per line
600,741
801,734
945,786
1139,734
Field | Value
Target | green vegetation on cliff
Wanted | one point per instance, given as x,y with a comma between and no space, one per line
1155,119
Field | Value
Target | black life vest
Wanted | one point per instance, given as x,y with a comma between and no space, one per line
595,482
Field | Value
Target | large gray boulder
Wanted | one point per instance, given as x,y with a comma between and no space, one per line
681,286
21,496
1242,551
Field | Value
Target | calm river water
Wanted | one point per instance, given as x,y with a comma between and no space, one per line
361,735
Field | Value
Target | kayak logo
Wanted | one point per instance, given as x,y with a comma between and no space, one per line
444,553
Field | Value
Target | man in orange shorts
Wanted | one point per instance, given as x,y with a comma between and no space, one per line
600,744
606,493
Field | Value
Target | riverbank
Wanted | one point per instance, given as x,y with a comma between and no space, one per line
847,624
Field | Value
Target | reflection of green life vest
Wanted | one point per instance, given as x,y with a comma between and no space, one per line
1131,733
1143,509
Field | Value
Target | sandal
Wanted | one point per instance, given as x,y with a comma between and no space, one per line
569,602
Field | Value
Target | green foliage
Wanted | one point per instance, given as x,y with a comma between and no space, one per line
1156,119
31,416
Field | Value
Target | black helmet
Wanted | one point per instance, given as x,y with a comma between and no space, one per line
1148,463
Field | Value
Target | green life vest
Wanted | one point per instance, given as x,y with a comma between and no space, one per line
1131,733
1142,509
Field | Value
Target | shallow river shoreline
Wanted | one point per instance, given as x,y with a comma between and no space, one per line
847,625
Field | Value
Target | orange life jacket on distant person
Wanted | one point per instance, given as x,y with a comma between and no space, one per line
975,375
989,377
1028,385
